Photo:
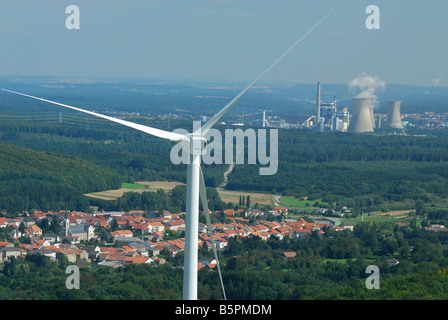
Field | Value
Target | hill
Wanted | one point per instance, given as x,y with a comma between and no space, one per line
48,181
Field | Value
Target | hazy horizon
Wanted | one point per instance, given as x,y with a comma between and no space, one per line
226,40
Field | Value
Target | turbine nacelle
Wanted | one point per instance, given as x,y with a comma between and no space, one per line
198,145
195,143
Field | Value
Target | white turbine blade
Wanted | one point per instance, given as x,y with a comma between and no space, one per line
207,126
152,131
204,201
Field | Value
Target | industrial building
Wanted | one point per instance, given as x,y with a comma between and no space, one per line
328,116
341,120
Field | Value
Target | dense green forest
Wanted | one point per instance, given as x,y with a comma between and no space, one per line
107,156
46,181
357,170
332,266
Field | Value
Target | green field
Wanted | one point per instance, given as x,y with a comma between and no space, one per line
377,217
335,260
132,186
294,202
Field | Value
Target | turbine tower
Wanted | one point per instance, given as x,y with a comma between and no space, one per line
196,143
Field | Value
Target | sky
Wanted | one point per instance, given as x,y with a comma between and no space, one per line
226,40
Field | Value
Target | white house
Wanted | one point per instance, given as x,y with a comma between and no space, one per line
51,237
15,233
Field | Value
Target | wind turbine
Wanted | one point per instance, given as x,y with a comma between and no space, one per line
196,143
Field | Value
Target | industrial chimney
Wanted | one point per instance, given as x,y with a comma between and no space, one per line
393,115
361,119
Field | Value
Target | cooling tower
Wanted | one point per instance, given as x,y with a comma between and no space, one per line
393,115
361,119
372,118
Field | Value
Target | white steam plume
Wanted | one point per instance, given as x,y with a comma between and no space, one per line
368,86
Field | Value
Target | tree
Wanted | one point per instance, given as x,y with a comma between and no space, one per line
10,268
419,207
114,225
22,227
44,225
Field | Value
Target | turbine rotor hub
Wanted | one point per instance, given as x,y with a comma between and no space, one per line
198,145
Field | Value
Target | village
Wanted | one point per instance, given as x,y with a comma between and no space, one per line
139,237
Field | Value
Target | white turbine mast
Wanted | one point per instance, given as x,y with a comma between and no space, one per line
195,181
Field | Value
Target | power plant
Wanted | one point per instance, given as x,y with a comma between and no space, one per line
341,120
330,116
393,114
362,119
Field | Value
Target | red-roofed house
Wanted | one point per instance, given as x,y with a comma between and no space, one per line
138,259
132,212
174,225
3,222
156,226
33,231
157,236
229,212
280,210
289,254
122,233
5,244
37,215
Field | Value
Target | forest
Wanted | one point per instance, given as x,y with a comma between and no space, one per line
92,160
360,171
356,170
34,179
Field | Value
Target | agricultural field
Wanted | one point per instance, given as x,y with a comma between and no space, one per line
234,197
302,202
394,216
139,187
131,186
142,186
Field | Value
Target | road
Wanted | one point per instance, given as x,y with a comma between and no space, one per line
226,174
